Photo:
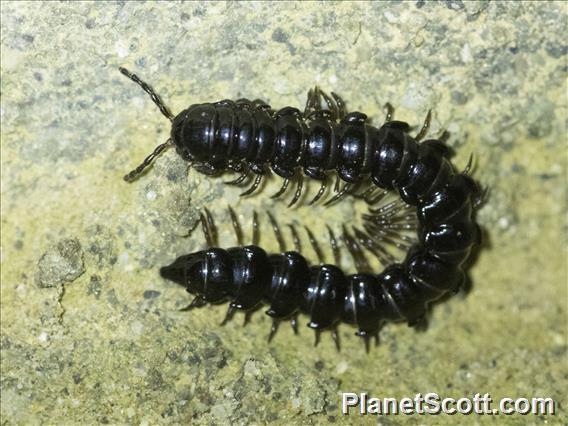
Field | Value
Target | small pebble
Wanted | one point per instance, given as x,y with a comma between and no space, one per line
61,263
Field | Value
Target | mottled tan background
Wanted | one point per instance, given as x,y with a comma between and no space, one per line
91,333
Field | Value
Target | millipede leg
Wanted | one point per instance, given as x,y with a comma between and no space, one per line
236,226
320,192
398,227
236,167
230,312
419,323
331,105
248,315
197,302
315,245
298,192
425,127
310,103
366,339
337,183
334,246
211,227
339,195
376,197
208,169
294,324
366,193
390,215
240,179
394,237
398,244
295,238
146,87
386,207
277,232
255,235
254,186
282,189
468,166
355,250
133,174
385,230
313,104
444,136
273,329
206,230
317,337
374,248
317,94
366,242
335,337
340,105
482,197
390,112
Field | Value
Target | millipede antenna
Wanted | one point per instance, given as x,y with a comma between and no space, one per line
146,87
132,175
163,109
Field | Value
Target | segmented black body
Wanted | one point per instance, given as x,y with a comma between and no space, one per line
250,136
229,134
247,276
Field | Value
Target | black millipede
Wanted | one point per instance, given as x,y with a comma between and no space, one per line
251,138
247,276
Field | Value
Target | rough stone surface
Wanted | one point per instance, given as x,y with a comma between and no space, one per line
113,348
62,263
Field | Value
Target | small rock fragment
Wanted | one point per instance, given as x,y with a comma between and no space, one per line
61,263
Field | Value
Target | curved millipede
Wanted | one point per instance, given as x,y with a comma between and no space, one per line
252,139
248,276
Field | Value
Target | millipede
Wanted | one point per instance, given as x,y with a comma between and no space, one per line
252,139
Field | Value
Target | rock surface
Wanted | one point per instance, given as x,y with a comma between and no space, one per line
98,338
61,263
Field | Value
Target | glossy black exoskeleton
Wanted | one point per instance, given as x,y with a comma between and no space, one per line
249,137
247,277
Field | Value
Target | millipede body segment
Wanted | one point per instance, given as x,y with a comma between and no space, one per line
251,138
